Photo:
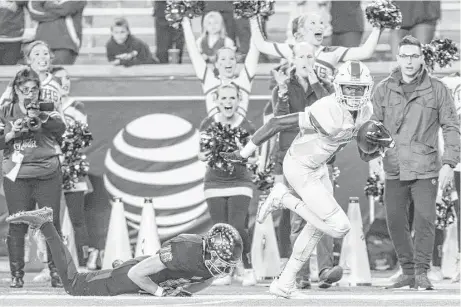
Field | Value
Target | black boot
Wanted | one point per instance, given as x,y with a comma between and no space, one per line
55,279
16,257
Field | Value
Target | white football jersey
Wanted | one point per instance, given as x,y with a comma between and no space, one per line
326,127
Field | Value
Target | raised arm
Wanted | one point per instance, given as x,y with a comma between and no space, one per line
365,51
251,60
195,56
263,46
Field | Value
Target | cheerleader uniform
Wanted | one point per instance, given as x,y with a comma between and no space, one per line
228,195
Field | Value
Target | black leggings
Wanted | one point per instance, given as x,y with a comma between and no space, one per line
24,194
76,207
233,210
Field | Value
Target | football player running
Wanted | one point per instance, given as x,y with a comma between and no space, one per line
184,265
326,127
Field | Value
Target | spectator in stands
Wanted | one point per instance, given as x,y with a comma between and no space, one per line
12,25
225,71
213,37
413,105
347,21
124,49
60,26
419,18
228,194
75,198
166,37
31,168
238,30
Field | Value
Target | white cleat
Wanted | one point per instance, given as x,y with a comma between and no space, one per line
288,292
272,202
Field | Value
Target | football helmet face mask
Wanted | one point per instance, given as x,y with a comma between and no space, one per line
223,249
353,73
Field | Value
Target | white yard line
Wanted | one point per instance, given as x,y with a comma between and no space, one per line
410,296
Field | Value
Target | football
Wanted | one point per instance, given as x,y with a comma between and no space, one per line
362,141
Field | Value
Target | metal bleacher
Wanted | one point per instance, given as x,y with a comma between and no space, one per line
99,15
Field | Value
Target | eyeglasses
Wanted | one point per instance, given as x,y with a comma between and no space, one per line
409,56
28,90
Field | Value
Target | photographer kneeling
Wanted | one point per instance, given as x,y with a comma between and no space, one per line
31,167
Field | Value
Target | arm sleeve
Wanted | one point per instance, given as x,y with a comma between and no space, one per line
376,101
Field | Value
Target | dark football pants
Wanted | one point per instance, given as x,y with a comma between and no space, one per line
414,257
79,284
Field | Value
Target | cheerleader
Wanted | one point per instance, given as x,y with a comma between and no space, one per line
228,195
225,71
213,37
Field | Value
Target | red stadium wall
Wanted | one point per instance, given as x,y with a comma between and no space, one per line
144,115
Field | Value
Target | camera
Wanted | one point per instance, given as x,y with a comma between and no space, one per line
33,123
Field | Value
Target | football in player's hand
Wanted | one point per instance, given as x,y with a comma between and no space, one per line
364,143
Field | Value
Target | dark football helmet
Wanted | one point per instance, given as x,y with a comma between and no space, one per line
223,249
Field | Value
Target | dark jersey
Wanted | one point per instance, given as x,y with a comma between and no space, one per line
183,258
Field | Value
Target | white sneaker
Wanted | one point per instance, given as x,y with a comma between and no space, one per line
249,278
222,281
43,276
289,292
91,264
455,278
435,274
272,202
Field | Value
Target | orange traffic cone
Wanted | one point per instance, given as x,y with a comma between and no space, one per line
118,241
148,241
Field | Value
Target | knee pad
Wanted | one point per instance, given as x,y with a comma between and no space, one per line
340,224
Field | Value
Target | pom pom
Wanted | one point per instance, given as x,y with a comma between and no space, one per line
263,180
222,138
445,209
384,14
375,188
441,52
176,10
336,173
248,9
76,137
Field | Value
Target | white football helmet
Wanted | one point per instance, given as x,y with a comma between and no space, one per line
353,73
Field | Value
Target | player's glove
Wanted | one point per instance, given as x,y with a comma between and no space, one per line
382,137
233,157
178,292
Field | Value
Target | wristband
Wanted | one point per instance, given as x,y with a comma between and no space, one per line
159,292
248,150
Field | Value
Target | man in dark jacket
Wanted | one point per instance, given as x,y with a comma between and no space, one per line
413,105
60,26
